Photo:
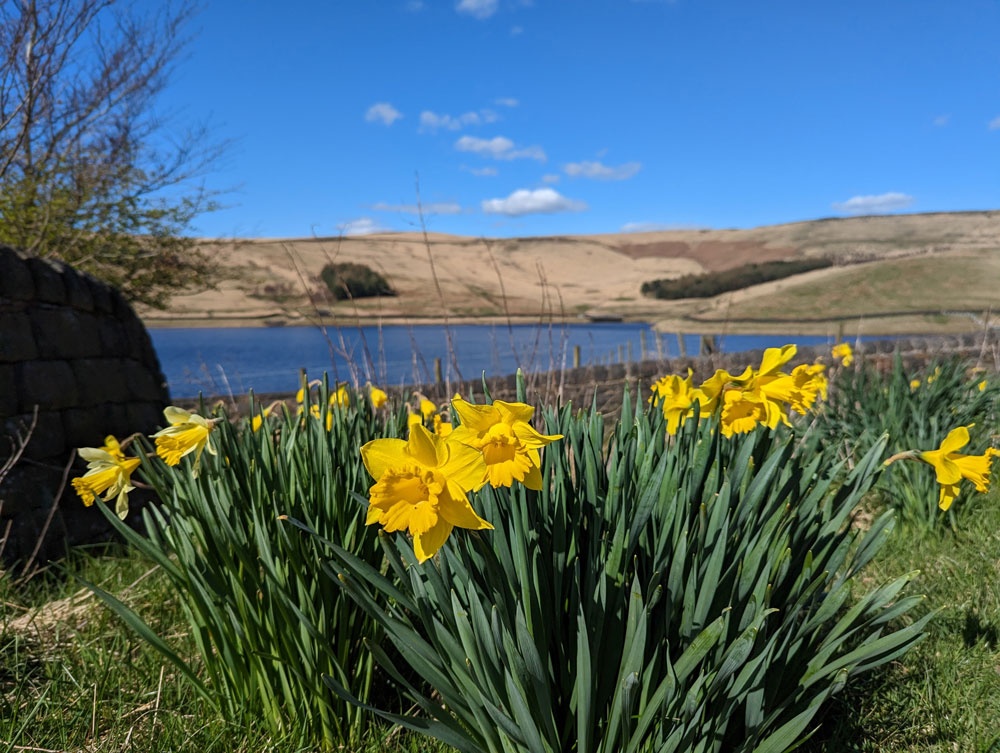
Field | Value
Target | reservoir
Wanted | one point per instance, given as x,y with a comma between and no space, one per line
224,360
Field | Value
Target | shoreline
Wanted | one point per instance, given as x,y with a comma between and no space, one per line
896,324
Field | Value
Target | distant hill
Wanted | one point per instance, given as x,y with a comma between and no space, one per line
893,264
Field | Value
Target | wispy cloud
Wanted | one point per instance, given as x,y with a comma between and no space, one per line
478,8
550,178
538,201
885,202
415,5
995,124
481,171
652,227
515,30
432,121
942,120
499,147
361,226
441,207
506,101
383,111
598,171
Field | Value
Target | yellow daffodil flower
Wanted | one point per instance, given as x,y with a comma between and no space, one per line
914,384
441,427
741,413
378,397
951,467
421,485
107,471
427,408
315,412
258,420
676,397
509,443
845,352
187,433
933,377
711,390
340,398
982,385
799,389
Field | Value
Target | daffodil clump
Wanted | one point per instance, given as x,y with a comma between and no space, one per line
109,471
763,396
421,485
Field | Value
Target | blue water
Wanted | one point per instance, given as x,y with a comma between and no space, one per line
234,360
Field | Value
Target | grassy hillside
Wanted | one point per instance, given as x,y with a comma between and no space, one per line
277,281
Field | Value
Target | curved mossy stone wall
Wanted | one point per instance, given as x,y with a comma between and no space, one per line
71,346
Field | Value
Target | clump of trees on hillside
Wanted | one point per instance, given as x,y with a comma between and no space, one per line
737,278
90,171
349,280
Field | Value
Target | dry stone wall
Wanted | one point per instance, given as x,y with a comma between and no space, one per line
72,349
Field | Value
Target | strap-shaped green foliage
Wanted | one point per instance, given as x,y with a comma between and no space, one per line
658,594
917,409
267,623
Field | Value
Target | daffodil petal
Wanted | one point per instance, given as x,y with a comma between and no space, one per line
456,509
379,454
426,545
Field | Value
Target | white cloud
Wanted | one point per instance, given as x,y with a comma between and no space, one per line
499,147
537,201
441,207
515,30
598,171
885,202
652,227
481,171
361,226
942,120
432,121
995,124
478,8
383,111
415,5
506,101
550,178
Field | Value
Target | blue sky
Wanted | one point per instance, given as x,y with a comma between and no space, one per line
532,117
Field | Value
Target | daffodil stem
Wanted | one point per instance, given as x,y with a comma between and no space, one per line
905,455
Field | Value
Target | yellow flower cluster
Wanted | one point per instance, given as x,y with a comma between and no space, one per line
844,352
762,396
109,471
421,484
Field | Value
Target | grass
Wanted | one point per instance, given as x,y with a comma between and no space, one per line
938,282
945,694
72,677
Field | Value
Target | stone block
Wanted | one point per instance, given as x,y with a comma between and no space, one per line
99,380
47,440
83,427
101,294
112,336
49,384
16,282
8,391
142,385
145,417
61,332
78,293
48,277
17,337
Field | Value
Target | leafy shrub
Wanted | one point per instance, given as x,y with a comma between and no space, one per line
267,623
917,410
658,594
737,278
349,280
